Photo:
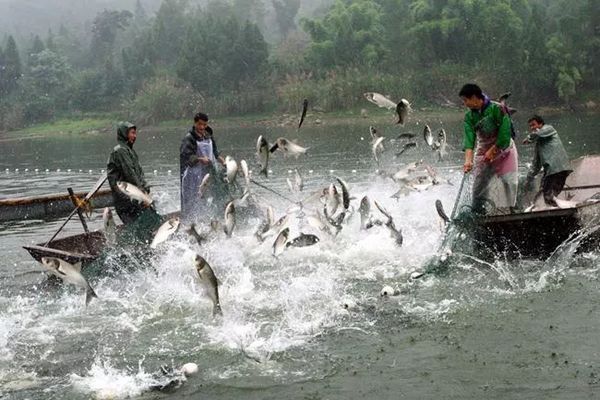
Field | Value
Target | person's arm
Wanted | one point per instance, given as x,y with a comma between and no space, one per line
468,143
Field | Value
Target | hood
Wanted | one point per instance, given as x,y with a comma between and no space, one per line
122,131
208,132
546,131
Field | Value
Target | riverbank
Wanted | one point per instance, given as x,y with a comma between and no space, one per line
106,123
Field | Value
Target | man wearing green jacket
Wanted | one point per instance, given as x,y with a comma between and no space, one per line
124,166
549,156
489,151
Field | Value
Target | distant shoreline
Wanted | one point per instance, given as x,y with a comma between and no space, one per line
102,124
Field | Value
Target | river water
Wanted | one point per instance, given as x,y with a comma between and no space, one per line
520,329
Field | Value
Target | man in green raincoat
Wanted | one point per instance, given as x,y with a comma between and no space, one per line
549,156
124,166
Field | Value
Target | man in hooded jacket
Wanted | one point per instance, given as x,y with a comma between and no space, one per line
124,166
550,156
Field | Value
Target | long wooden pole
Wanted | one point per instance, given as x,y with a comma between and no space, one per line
99,183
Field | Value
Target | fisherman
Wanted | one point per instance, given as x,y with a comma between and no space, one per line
549,155
124,166
197,158
496,155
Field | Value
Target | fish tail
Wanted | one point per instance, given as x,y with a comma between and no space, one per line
217,310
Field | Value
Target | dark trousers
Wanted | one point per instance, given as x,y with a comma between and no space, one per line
552,185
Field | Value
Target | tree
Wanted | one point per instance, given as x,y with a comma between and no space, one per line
37,45
168,29
10,72
285,14
351,34
45,88
105,27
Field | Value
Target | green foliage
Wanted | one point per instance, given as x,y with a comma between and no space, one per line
285,13
164,99
238,55
105,27
11,68
349,35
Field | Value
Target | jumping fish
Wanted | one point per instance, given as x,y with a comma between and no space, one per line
231,168
209,282
304,109
280,243
110,228
204,185
262,152
134,193
69,273
288,147
229,218
245,173
376,147
165,231
402,109
380,100
305,239
428,136
365,211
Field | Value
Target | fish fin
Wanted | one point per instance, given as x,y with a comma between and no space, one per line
89,294
77,266
273,148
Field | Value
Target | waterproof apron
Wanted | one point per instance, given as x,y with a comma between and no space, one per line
495,184
192,204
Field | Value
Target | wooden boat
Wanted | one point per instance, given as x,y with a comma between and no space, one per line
536,234
84,247
48,206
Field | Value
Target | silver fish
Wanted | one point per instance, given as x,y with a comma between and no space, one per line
245,172
69,273
317,223
396,233
305,239
428,136
373,132
280,242
204,185
231,168
229,218
134,193
406,146
440,210
333,199
402,109
380,100
345,193
365,212
110,228
377,147
262,152
165,231
288,147
442,142
304,109
298,180
209,282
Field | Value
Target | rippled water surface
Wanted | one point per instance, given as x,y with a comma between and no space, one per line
520,329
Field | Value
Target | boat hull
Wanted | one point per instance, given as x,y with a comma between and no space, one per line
534,234
49,206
